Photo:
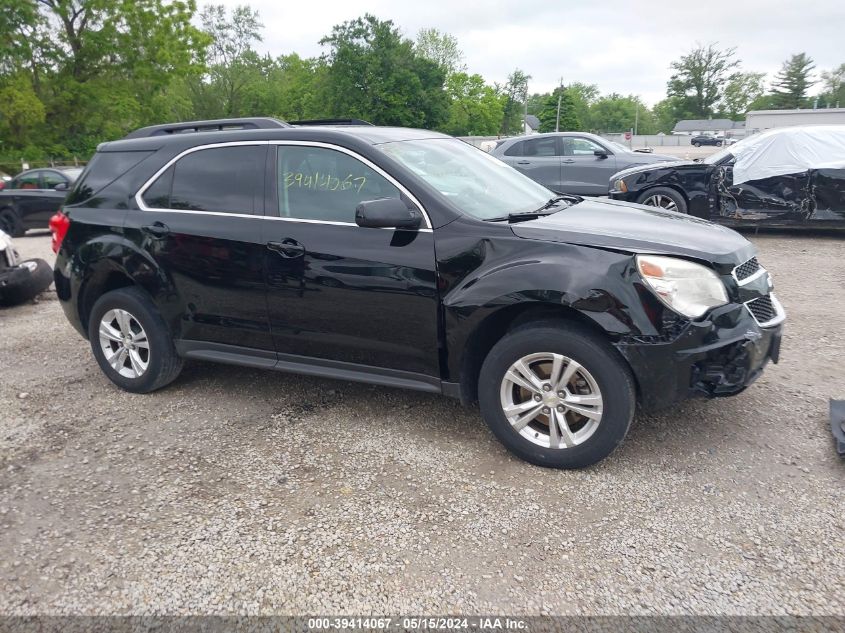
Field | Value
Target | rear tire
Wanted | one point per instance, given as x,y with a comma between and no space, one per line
126,325
11,223
664,198
599,379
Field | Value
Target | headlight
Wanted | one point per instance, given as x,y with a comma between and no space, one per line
620,185
688,288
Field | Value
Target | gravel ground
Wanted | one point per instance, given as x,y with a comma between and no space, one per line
240,491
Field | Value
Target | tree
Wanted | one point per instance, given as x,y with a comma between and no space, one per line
699,77
548,114
583,97
615,113
792,82
375,74
232,62
740,92
442,49
475,109
516,94
833,88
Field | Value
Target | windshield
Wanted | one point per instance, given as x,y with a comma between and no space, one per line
617,146
73,173
474,181
720,156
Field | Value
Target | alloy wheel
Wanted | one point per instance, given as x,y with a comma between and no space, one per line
551,400
659,200
124,343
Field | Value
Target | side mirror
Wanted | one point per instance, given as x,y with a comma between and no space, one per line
62,186
600,153
645,150
391,213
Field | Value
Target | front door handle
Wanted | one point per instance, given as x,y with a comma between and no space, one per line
523,162
288,247
570,160
156,229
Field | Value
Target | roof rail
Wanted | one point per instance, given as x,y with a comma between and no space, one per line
214,125
331,122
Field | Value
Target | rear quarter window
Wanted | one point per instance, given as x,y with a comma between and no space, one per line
104,169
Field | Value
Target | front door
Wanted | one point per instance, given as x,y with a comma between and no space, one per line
584,172
337,292
201,221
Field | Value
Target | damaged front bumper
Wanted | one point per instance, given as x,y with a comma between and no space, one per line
719,356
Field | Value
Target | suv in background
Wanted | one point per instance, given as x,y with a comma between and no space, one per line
704,139
410,259
571,162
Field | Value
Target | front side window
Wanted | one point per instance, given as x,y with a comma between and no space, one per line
472,180
50,179
577,146
218,179
317,183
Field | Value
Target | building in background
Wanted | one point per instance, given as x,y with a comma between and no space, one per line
760,120
712,127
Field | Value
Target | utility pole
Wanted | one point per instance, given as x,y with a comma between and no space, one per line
636,118
559,95
525,109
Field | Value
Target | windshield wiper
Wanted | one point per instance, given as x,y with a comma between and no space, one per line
542,211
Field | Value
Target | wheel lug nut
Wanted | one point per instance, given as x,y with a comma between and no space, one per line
560,408
546,410
537,397
547,388
561,394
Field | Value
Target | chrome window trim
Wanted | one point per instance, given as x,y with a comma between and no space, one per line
780,313
139,200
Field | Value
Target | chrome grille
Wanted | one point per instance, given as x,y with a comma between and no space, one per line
744,271
762,308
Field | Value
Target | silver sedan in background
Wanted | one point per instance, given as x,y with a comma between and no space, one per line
571,162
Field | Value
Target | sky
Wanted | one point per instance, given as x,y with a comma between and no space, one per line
623,46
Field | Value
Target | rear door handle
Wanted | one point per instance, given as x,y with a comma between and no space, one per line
156,229
523,162
288,247
569,160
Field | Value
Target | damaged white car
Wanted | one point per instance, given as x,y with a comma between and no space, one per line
20,280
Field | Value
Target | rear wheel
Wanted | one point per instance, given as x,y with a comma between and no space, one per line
11,223
697,144
556,395
665,198
131,341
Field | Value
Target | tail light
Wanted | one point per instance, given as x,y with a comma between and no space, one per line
59,224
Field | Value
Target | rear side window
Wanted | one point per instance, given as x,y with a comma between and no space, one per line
541,147
220,179
104,168
514,150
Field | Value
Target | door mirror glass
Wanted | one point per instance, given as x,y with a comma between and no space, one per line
390,213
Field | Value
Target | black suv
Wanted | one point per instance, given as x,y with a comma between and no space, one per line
410,259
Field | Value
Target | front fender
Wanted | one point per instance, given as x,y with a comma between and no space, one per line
601,286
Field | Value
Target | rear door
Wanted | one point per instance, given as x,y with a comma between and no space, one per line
585,173
539,159
49,199
26,193
201,222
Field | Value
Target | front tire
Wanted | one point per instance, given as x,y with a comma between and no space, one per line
131,341
664,198
556,395
697,144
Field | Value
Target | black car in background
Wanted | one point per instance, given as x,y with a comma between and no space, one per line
790,177
410,259
703,139
29,199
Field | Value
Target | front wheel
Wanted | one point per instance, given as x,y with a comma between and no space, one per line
664,198
11,223
556,395
697,144
131,341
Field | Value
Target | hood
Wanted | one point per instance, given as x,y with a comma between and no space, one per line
637,228
672,164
